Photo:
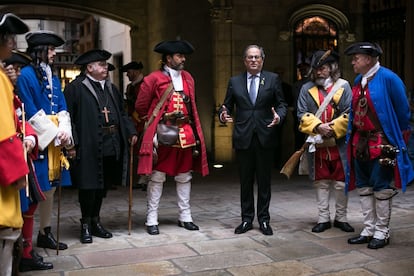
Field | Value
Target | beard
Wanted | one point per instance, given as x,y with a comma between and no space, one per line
325,83
320,81
178,67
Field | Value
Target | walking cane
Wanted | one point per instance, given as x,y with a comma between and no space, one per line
131,152
58,215
64,163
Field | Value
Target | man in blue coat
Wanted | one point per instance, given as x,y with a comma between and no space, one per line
258,97
378,130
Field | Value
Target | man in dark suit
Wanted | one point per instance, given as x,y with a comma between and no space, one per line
258,98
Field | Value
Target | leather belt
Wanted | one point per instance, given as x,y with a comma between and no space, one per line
175,120
110,129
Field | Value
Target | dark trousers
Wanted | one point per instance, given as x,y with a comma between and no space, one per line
90,200
255,163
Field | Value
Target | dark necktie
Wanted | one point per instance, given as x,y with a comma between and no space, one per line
253,90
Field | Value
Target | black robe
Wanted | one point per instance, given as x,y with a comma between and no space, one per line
83,106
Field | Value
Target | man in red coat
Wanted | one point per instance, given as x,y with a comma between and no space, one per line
179,109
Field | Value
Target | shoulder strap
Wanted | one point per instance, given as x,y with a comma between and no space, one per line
329,97
157,108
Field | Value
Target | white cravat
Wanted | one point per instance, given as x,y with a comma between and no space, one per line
176,78
374,69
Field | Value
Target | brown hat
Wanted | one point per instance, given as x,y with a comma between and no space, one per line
11,24
92,56
174,47
43,38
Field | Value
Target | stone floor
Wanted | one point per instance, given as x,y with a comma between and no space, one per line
215,249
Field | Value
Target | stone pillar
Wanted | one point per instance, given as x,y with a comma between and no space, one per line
222,71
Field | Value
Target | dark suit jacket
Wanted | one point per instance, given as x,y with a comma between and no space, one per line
249,118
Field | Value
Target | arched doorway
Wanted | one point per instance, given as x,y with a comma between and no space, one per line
316,27
311,34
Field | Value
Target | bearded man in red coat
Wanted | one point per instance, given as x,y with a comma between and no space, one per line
177,108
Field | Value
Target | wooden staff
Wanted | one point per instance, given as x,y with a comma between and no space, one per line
131,155
58,213
24,148
64,163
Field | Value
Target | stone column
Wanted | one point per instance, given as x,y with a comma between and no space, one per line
222,71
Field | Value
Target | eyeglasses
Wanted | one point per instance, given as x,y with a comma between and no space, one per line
253,57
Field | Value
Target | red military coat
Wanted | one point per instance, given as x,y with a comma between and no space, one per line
151,91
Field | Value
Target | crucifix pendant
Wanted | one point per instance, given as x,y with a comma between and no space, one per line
106,112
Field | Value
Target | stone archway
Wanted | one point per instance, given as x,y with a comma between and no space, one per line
324,11
331,14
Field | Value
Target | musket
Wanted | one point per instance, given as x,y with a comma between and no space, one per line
131,152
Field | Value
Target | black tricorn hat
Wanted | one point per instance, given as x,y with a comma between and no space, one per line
322,57
111,67
43,38
174,47
18,58
11,24
92,56
132,65
366,48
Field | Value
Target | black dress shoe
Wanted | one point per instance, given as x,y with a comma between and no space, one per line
360,239
99,231
377,243
33,264
344,226
265,228
85,234
153,230
48,240
320,227
188,225
243,227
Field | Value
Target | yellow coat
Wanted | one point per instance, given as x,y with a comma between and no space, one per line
10,212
